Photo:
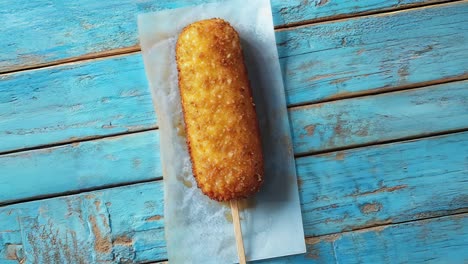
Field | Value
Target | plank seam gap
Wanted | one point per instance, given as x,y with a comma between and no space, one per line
465,211
460,211
156,179
379,91
80,59
136,48
298,155
292,106
159,261
332,19
383,142
76,192
79,140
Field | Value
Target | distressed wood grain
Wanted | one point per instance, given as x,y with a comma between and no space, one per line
379,118
74,102
339,191
440,240
80,166
124,225
293,12
61,30
316,128
110,96
370,54
389,183
320,127
120,225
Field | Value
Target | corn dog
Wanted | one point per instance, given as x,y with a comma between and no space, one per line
220,120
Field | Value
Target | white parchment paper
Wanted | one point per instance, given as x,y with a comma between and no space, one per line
199,230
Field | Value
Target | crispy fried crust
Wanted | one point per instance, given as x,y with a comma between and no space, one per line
219,114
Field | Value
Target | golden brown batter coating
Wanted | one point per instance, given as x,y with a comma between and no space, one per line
221,124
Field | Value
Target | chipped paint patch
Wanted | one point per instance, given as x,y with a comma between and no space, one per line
319,77
310,129
340,155
312,253
15,252
382,189
312,240
369,208
123,241
331,238
97,204
321,2
101,243
154,218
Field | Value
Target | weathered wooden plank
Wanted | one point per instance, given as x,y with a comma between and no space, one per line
440,240
379,118
380,52
123,225
111,226
110,96
80,166
389,183
67,103
315,128
339,191
76,28
88,107
299,11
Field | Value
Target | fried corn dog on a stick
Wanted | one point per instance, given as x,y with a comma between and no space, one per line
221,123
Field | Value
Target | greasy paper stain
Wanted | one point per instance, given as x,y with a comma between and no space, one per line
228,216
187,183
247,204
180,128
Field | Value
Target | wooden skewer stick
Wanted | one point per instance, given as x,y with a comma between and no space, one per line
238,231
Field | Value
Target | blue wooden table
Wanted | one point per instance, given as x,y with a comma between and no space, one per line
378,105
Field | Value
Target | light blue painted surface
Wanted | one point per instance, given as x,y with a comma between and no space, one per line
385,51
294,11
79,166
352,189
83,99
440,240
384,184
339,191
112,225
124,224
379,118
66,103
315,128
39,32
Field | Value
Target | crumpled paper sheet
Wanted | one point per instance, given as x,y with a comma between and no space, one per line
199,230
